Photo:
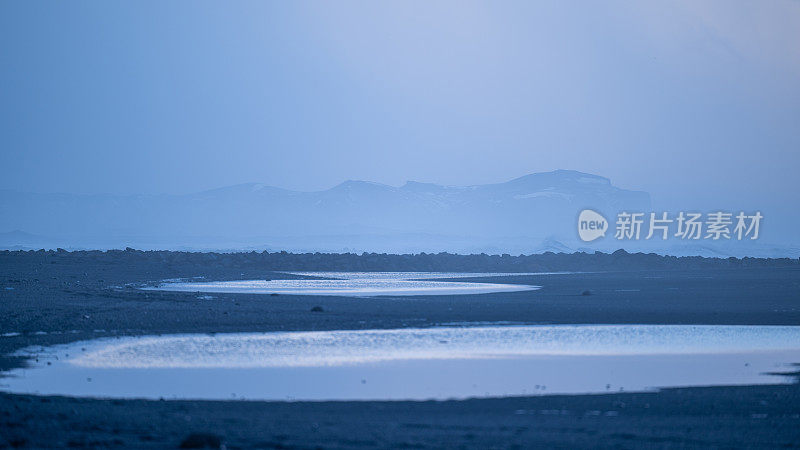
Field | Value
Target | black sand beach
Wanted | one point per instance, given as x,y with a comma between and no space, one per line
51,298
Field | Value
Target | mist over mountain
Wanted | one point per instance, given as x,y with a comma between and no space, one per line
530,214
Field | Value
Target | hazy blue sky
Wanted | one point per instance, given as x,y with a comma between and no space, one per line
688,100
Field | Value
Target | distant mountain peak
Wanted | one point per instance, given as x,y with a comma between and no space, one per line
561,176
513,215
552,179
416,186
360,185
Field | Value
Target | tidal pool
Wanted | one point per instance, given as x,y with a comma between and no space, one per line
411,364
357,284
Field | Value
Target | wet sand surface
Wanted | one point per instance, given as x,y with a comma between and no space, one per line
60,298
754,417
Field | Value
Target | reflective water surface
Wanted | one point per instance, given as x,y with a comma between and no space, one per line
431,363
362,284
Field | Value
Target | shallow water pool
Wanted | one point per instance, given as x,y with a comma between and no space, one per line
357,284
411,364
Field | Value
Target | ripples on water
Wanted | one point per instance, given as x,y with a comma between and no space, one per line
362,284
432,363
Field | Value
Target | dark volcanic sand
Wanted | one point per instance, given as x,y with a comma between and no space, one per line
59,293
